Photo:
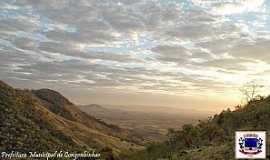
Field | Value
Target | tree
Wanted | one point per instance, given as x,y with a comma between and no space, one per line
251,90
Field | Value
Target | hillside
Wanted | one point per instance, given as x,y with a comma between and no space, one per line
212,139
59,105
44,120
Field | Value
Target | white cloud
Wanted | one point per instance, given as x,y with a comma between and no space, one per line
229,7
148,37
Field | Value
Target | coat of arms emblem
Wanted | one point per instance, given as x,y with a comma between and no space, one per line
250,144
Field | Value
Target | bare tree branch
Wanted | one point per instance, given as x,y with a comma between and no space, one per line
250,91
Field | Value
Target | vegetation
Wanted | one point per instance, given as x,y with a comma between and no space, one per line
212,139
54,101
45,121
21,126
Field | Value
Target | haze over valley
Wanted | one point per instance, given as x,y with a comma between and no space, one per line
151,122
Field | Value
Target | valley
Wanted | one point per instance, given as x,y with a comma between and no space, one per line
149,122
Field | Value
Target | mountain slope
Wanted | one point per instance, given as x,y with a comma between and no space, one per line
44,120
212,139
21,126
59,105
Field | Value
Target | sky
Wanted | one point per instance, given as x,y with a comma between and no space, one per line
180,53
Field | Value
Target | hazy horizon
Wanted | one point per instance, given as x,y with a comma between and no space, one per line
187,53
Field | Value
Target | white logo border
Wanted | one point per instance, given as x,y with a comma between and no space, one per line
251,132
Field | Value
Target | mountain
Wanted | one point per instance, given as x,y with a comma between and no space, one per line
44,120
94,106
212,139
59,105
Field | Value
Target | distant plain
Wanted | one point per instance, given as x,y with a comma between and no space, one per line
151,122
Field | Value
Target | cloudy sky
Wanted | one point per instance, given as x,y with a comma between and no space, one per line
184,53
